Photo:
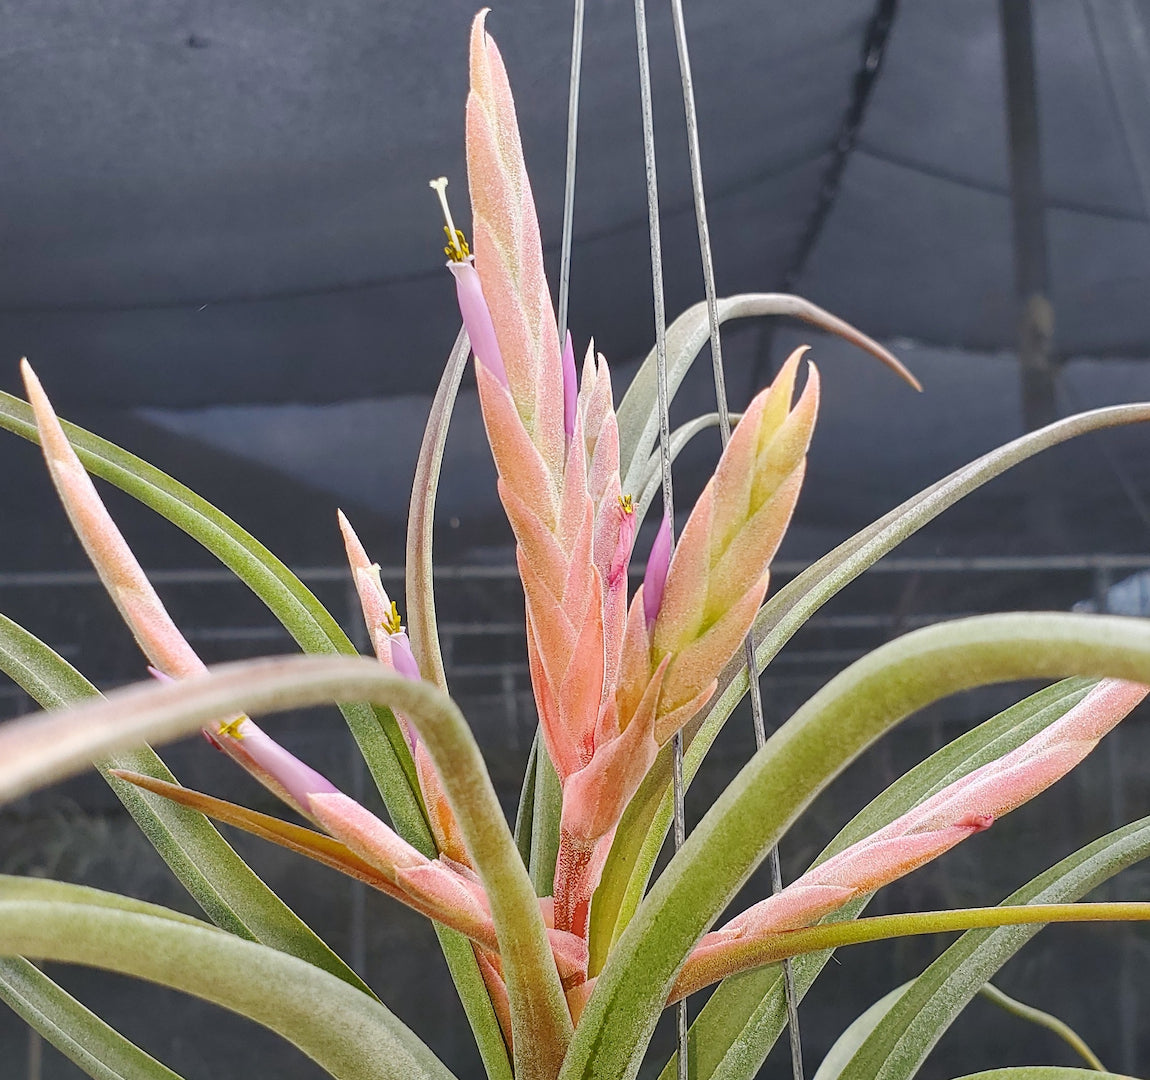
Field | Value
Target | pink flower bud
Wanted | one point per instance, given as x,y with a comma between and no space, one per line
402,658
477,317
656,576
300,781
570,388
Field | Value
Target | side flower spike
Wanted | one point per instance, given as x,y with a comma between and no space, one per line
392,648
718,574
961,809
140,607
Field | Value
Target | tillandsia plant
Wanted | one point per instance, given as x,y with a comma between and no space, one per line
564,950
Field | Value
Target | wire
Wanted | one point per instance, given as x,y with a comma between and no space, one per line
664,418
569,178
705,255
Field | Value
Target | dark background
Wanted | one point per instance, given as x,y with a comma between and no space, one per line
220,251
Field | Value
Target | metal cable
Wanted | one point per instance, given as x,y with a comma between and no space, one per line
705,255
569,179
664,419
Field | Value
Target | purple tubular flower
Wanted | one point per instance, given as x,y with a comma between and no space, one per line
656,576
477,317
402,658
300,781
570,387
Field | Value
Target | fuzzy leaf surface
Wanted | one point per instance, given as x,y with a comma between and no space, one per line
288,599
228,890
77,1032
37,750
645,825
902,1039
346,1032
423,630
743,1019
797,762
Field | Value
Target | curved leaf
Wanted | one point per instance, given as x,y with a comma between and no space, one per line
424,634
1044,1072
797,762
351,1035
652,478
902,1039
228,890
742,1020
419,590
77,1032
637,413
288,599
1043,1019
314,629
36,750
771,948
851,1039
641,832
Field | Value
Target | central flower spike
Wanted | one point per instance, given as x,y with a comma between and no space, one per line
610,688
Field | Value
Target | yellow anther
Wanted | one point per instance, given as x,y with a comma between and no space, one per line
456,249
232,728
626,504
392,624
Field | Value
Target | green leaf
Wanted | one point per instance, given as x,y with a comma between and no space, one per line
798,762
651,480
771,948
228,890
39,749
77,1032
743,1019
641,832
637,413
424,633
349,1034
1043,1019
545,815
1044,1072
419,577
314,629
900,1042
526,809
301,614
851,1039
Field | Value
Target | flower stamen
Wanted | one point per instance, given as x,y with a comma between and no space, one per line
231,728
392,624
456,249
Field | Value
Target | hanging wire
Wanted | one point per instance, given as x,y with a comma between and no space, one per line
664,419
725,431
569,181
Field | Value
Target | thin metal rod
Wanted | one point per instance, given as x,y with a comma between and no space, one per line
692,122
569,180
664,418
656,259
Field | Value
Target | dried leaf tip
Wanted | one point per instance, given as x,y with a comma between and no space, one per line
456,249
